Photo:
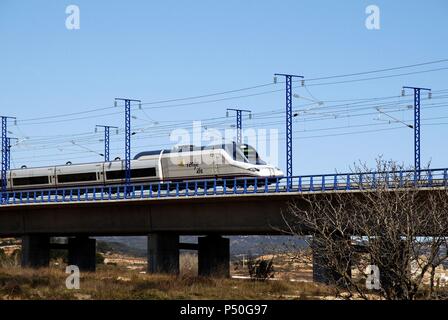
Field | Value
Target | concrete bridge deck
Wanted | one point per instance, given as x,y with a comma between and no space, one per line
231,214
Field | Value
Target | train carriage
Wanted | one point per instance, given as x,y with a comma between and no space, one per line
180,164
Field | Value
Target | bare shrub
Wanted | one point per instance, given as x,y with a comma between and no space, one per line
10,260
261,269
395,222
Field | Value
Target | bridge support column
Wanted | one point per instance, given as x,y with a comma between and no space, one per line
82,253
330,266
163,253
35,251
214,256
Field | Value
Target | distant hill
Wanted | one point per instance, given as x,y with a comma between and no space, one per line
247,245
121,247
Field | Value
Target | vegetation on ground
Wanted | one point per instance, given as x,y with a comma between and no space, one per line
111,282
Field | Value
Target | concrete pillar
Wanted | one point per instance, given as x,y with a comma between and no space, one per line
163,253
330,271
214,256
35,251
82,253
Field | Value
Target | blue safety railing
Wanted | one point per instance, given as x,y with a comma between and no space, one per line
233,186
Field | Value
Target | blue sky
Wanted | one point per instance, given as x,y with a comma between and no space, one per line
154,50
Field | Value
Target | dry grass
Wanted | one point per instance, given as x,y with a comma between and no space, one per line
123,277
111,282
188,264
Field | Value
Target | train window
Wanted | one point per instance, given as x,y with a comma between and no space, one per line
116,174
144,172
135,173
77,177
30,180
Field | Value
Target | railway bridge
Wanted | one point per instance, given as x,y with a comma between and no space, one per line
164,211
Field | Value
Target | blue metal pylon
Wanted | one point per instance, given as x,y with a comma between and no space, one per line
288,88
127,120
8,152
239,123
4,153
106,144
106,140
5,146
417,135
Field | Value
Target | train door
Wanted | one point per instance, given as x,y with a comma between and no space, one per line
217,160
209,163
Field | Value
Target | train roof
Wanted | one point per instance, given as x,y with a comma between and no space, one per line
142,154
181,148
223,146
150,153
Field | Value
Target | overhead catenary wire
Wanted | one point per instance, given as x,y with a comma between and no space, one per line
261,86
317,111
156,133
376,78
300,138
379,70
332,128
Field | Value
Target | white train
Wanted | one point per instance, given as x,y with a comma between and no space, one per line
179,164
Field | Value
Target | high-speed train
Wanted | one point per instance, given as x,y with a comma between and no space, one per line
179,164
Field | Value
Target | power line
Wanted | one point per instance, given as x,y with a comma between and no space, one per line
308,130
378,70
357,104
377,78
210,95
252,88
162,132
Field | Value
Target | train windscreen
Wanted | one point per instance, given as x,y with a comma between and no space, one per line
251,154
244,153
